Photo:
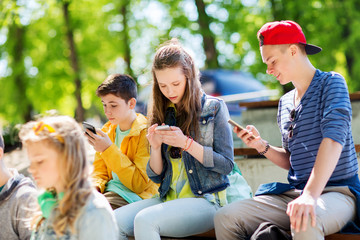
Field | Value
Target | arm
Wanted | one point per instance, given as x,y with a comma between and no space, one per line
155,140
131,172
219,156
278,156
326,160
26,207
99,175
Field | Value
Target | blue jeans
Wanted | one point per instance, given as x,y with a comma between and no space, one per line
151,218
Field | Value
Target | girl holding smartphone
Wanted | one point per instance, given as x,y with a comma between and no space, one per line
190,162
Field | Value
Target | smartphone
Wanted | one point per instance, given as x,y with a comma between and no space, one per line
235,124
87,125
163,128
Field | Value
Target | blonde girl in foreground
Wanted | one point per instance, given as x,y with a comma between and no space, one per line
70,208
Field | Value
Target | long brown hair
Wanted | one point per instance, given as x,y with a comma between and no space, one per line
170,55
63,134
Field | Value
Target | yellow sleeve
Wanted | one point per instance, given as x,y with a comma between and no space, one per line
131,172
100,173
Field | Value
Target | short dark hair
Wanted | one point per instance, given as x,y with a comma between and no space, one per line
261,39
121,85
2,145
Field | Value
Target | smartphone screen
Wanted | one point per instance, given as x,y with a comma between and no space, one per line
87,125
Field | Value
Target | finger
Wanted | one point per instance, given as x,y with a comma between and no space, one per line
88,135
91,142
305,219
298,218
289,209
313,216
236,130
152,128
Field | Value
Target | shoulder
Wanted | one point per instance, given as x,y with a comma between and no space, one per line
329,78
97,215
211,103
95,201
108,127
139,125
25,188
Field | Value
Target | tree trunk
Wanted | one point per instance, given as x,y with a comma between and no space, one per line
23,103
209,40
79,113
126,41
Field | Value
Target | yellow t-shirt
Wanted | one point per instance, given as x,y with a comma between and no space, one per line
180,186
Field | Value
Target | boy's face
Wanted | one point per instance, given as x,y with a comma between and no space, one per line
279,62
116,109
44,165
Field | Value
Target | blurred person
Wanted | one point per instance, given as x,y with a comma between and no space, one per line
122,150
70,207
317,148
17,201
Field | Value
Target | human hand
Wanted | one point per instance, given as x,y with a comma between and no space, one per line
153,137
99,141
250,136
175,137
299,211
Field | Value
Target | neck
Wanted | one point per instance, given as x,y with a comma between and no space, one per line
306,72
124,126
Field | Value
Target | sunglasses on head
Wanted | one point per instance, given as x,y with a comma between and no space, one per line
292,116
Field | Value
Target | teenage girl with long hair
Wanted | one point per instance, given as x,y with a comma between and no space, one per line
190,162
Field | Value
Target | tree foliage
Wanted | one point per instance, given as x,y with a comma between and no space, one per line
38,72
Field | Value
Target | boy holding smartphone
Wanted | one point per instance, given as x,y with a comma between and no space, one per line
121,145
323,193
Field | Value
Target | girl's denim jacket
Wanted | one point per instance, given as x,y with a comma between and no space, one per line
216,138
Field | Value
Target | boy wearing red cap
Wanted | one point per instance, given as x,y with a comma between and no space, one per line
317,148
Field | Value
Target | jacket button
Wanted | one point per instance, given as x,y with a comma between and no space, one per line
199,192
204,121
190,171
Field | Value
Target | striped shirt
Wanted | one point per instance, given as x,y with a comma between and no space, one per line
323,112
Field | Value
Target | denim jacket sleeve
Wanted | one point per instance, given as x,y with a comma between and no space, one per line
219,157
152,175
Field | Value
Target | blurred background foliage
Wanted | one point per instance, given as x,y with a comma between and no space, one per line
54,53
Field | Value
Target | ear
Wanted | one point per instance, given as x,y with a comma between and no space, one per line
1,153
132,103
293,48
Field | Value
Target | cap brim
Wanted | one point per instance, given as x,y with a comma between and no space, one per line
312,49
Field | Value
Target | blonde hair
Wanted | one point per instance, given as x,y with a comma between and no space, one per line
64,135
170,55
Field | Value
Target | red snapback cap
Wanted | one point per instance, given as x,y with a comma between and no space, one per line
285,32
